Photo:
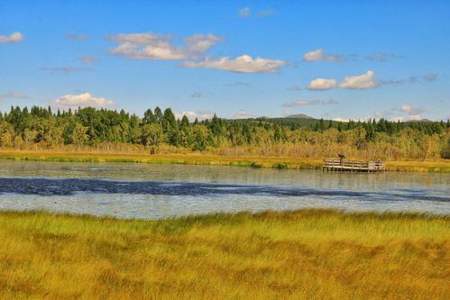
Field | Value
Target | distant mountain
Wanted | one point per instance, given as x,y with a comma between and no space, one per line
299,116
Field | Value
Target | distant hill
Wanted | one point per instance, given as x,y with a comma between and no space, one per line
301,120
299,116
419,121
290,117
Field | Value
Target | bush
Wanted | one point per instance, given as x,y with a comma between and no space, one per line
280,166
255,165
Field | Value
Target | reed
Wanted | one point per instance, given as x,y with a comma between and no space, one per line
320,254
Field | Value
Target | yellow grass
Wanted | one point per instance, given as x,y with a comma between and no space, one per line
419,166
198,158
309,254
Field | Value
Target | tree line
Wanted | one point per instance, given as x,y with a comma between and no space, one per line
24,127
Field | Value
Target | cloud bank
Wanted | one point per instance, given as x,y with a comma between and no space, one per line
192,52
82,100
160,47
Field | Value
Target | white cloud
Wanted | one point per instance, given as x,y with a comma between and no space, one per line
245,12
146,46
241,64
407,118
320,55
200,43
82,100
159,47
410,113
138,38
341,119
14,37
322,84
406,108
363,81
191,115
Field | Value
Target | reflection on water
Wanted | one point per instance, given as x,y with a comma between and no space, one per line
156,191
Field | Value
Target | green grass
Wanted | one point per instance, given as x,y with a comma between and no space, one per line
313,254
196,158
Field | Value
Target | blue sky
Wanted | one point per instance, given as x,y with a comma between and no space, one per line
330,59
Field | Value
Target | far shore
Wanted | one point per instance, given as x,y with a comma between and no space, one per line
200,158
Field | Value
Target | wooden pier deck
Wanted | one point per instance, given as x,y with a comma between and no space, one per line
343,165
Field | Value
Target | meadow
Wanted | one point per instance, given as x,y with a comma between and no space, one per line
314,254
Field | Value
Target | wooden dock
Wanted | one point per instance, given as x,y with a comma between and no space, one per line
343,165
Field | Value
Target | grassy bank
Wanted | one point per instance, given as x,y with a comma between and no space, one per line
305,254
197,158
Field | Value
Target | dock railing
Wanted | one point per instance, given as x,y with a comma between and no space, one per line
352,165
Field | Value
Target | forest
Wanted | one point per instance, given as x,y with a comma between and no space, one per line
159,130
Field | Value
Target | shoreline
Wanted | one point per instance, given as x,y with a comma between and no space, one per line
277,214
253,161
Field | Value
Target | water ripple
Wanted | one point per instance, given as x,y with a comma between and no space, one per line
67,187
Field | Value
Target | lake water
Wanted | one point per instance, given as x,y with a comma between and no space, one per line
158,191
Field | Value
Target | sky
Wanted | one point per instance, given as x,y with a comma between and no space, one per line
328,59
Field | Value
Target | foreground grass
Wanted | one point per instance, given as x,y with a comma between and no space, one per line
196,158
305,254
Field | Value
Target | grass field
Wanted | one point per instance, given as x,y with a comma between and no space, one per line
197,158
313,254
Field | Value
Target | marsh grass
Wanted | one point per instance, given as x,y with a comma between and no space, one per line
318,254
199,158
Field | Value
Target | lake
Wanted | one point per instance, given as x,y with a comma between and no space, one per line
151,191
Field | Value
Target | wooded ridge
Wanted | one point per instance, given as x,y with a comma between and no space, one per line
22,128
